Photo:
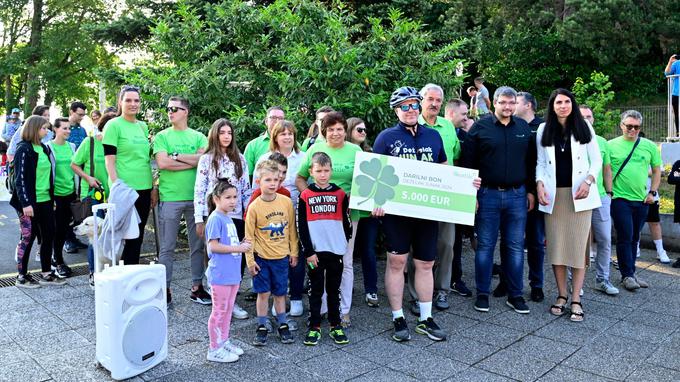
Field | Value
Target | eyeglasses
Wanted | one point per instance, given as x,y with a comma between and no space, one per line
413,106
174,109
361,130
632,127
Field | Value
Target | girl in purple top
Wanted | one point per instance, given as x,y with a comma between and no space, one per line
224,270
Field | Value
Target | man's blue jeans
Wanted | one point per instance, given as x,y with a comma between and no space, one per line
629,217
505,211
535,241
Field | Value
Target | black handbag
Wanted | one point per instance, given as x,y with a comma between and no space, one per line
81,209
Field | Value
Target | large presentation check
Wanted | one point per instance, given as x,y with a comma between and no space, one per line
413,188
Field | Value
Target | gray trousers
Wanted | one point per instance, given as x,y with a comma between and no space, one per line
169,216
601,222
443,264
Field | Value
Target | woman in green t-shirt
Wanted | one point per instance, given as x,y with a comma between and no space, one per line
32,199
127,155
334,130
64,191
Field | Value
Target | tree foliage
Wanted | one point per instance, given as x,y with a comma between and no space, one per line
597,94
232,58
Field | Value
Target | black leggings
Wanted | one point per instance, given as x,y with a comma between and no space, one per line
43,222
133,247
62,218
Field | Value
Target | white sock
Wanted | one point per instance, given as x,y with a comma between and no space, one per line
425,310
659,245
397,313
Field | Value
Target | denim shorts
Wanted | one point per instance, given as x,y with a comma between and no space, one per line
272,277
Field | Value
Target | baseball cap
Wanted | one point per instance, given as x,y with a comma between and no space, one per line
16,110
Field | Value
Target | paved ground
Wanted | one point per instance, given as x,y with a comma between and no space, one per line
48,334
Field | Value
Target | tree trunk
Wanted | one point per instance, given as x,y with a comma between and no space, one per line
33,80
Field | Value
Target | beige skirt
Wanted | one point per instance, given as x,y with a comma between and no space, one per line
567,232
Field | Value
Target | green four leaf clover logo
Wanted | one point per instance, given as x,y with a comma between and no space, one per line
377,181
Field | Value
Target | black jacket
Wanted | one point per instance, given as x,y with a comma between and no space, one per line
25,164
675,180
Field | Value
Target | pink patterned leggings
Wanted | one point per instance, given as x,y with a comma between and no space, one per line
223,299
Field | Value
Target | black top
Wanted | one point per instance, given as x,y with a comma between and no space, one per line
25,165
563,162
535,123
505,155
675,180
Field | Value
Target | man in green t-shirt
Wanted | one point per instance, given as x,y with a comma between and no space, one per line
601,221
433,97
177,150
260,145
631,199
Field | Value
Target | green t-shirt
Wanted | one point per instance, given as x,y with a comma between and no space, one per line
254,150
82,158
132,156
631,183
42,176
178,186
448,133
64,184
604,153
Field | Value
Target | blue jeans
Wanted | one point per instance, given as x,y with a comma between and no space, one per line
507,211
367,233
535,241
296,280
628,217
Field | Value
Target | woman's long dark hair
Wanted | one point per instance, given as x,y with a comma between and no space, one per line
575,124
214,147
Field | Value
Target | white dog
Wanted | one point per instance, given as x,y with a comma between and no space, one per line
86,228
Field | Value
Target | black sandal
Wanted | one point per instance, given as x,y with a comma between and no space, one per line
577,316
559,307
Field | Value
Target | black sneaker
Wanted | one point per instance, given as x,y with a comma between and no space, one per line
78,244
313,336
501,289
676,264
338,335
284,334
168,296
430,329
26,281
260,336
482,303
401,333
50,280
518,305
90,280
252,296
462,289
200,296
496,270
537,294
62,271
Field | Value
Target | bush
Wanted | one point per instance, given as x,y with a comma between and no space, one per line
234,58
598,96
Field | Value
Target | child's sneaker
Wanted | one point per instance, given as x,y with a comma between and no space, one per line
260,336
313,337
221,355
285,335
231,348
50,279
338,335
25,281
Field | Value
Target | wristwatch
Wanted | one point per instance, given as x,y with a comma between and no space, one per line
588,181
610,193
174,155
653,192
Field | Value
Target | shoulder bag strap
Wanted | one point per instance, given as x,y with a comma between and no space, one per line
625,162
91,160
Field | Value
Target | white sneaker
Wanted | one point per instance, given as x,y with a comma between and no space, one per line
592,255
663,257
221,355
231,348
638,251
296,308
238,313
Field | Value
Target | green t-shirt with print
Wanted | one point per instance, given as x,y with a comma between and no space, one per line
82,158
604,153
178,186
254,150
42,176
132,151
448,133
631,184
64,184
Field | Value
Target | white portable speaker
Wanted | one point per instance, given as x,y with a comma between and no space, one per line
131,318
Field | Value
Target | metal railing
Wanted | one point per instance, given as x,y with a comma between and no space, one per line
655,122
673,124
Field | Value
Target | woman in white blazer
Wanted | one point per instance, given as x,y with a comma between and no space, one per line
568,164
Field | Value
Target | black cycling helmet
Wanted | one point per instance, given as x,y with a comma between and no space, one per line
402,94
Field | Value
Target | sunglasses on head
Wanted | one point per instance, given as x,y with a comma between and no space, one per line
174,109
413,106
129,88
361,130
632,127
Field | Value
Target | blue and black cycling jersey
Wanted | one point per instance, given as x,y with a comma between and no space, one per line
397,141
